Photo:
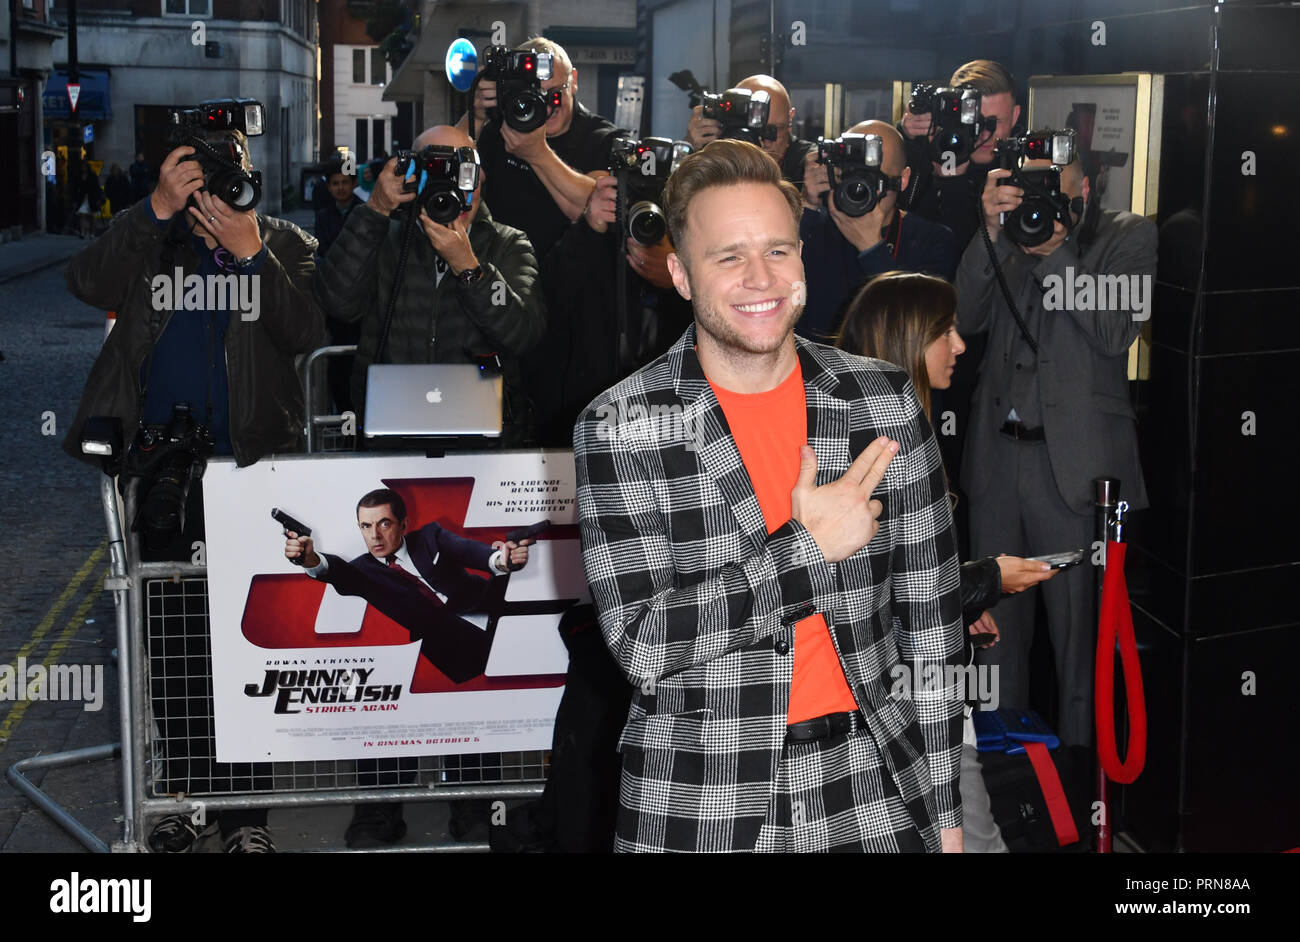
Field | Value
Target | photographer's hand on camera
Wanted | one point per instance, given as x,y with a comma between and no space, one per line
234,231
451,242
816,183
997,200
530,146
915,126
700,130
864,232
177,179
485,98
651,262
296,546
601,211
1059,235
390,190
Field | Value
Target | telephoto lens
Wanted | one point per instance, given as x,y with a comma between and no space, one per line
646,223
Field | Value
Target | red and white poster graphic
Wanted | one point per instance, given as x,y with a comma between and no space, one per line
400,635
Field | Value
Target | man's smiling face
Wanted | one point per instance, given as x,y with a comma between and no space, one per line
742,269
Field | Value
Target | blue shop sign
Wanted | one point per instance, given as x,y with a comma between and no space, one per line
93,103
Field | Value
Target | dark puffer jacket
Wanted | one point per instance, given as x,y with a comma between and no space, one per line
266,406
447,322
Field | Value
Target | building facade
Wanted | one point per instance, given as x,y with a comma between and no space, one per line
599,38
143,57
26,60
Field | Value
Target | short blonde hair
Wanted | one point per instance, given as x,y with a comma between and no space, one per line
987,77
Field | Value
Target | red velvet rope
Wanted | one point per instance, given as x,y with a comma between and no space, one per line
1117,624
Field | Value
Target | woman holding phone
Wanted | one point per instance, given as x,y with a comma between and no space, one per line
910,320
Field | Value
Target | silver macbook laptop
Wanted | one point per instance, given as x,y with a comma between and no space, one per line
438,399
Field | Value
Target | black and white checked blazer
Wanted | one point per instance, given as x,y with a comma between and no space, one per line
694,596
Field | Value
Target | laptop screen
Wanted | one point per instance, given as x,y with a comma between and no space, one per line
433,400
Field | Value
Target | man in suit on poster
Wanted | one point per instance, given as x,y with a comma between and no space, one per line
419,580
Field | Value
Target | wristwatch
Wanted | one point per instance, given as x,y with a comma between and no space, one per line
470,276
247,260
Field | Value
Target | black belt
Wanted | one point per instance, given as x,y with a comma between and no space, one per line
1022,433
823,727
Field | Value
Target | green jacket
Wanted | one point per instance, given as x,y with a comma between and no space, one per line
447,322
114,273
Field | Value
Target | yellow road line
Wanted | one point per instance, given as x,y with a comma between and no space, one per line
15,715
63,599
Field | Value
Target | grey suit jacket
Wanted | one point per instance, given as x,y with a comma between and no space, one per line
1088,418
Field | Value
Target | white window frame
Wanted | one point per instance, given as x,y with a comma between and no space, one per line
370,54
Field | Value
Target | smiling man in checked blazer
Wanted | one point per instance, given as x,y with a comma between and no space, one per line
747,582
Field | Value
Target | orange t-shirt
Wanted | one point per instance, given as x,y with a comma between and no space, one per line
768,428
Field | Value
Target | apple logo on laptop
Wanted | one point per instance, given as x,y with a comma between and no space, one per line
433,395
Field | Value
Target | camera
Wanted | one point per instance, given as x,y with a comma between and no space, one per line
862,184
170,458
743,114
224,175
444,177
955,119
521,102
643,167
1030,223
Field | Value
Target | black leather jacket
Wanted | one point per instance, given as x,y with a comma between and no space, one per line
981,587
114,273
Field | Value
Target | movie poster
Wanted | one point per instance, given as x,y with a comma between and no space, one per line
1104,118
399,641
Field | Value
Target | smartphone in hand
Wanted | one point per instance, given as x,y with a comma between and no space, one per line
1060,560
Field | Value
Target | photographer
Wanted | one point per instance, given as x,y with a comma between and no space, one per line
469,290
235,367
1051,413
155,357
954,198
586,348
842,251
535,180
787,150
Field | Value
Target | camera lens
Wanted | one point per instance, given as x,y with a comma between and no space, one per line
645,223
236,189
442,206
951,142
1031,223
855,196
526,111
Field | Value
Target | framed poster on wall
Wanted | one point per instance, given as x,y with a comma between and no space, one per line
1117,120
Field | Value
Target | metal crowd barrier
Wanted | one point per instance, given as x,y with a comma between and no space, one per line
155,599
323,432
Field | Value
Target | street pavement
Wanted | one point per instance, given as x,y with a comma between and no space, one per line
52,605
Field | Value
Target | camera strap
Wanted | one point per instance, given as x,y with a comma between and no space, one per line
1002,282
399,274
